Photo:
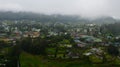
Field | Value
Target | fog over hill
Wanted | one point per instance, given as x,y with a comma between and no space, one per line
84,8
9,15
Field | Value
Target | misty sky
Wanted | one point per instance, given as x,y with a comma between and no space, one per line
85,8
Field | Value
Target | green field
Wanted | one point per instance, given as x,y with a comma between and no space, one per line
28,60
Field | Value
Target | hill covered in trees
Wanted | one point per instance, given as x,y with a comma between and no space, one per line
37,17
8,15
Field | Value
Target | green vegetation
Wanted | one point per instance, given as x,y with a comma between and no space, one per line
35,43
28,60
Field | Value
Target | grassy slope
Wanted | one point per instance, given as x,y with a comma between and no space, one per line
28,60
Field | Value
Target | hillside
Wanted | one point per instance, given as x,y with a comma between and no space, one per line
51,18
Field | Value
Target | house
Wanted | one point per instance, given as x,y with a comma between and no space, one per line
77,41
3,35
81,45
32,34
90,39
96,51
73,55
65,45
87,54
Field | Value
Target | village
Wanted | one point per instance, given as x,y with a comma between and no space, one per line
83,41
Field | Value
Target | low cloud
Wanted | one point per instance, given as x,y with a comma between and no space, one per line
85,8
10,7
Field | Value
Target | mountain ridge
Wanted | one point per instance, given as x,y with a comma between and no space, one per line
9,15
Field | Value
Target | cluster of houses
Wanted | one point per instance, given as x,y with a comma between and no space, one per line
9,33
83,35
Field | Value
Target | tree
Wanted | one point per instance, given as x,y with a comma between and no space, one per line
113,51
34,46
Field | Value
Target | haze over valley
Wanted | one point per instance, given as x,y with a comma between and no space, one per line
59,33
